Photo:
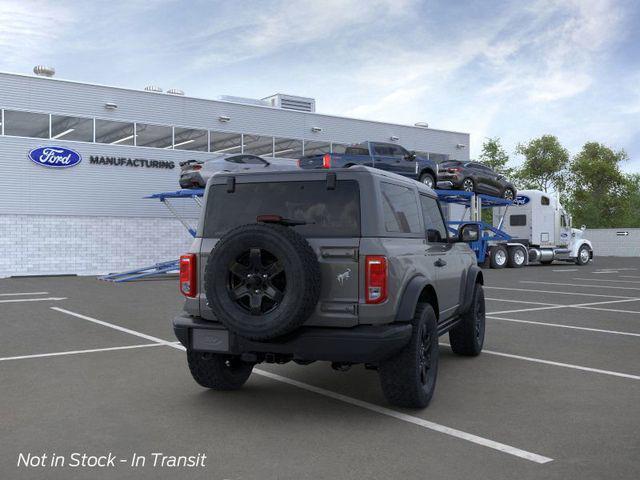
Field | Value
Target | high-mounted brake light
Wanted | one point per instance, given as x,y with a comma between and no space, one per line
326,160
188,275
375,280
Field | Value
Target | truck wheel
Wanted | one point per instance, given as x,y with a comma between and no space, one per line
408,379
428,180
217,371
508,194
467,337
262,280
584,255
517,257
498,256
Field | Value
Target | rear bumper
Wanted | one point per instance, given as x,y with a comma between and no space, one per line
361,344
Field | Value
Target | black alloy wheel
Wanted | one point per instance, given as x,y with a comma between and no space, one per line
257,281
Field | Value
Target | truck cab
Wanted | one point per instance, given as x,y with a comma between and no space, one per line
538,221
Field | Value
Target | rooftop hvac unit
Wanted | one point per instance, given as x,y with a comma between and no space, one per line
291,102
175,91
43,71
153,88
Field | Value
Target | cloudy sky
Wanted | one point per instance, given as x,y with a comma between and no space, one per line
511,69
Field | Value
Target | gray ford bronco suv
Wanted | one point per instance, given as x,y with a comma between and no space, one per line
349,266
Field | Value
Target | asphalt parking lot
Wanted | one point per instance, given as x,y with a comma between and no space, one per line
89,366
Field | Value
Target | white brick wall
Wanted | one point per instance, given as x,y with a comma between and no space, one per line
609,242
46,245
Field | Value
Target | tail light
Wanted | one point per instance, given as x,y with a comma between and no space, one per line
454,170
375,279
298,162
196,167
188,275
326,160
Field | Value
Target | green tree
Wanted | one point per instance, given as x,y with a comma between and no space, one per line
494,156
545,164
600,195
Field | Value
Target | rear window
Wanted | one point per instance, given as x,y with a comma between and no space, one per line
357,151
328,213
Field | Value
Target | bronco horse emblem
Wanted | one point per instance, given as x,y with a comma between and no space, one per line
344,276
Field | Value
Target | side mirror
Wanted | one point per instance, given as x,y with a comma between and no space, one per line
410,156
433,236
469,232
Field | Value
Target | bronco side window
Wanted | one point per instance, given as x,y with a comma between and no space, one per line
400,209
435,229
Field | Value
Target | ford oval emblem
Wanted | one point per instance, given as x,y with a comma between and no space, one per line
55,157
521,200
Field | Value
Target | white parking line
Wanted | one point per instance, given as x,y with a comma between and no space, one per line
115,327
559,364
606,280
520,301
629,276
556,292
559,325
485,442
27,293
588,306
533,457
18,300
581,285
76,352
567,270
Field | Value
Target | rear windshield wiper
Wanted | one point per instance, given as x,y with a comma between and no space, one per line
287,222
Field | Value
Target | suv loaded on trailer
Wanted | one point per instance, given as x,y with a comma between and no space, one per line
384,156
348,266
474,177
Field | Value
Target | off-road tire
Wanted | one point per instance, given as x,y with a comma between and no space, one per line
427,176
299,264
579,259
467,337
401,375
513,261
217,371
495,256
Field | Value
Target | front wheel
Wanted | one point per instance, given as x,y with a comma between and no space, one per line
217,371
584,255
467,338
408,379
428,180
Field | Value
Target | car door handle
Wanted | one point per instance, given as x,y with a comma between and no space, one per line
440,263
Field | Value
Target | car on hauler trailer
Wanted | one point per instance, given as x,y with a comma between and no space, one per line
348,266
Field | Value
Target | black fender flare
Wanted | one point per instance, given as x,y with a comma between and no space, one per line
410,297
474,275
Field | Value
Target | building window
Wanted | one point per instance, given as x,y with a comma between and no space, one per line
115,133
71,128
287,148
400,209
190,139
157,136
226,142
26,124
257,145
316,148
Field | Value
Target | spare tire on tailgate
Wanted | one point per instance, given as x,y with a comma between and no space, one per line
262,280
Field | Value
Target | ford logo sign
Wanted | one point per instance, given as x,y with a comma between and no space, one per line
521,200
55,157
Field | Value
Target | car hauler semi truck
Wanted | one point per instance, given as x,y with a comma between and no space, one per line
539,226
534,228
